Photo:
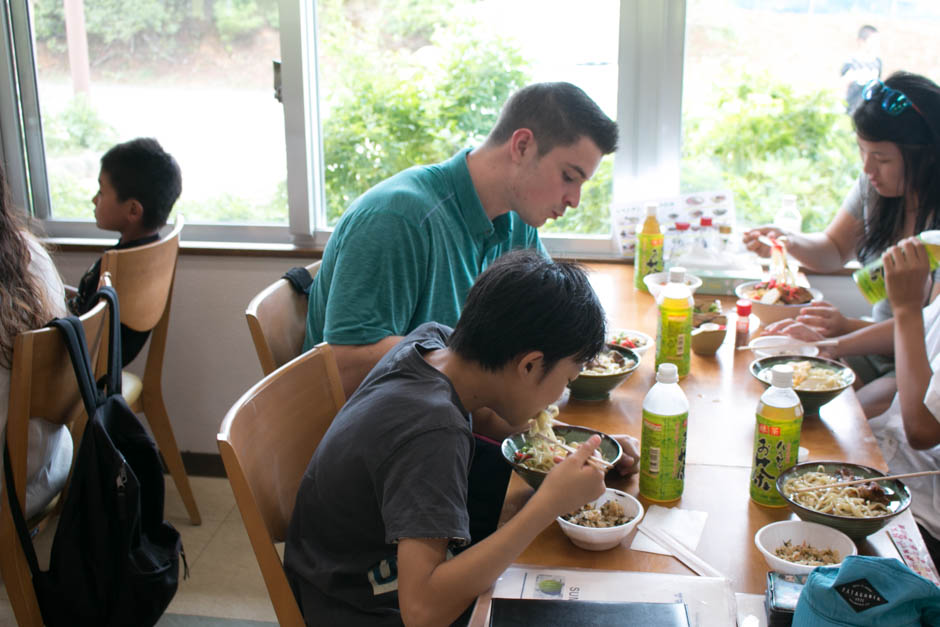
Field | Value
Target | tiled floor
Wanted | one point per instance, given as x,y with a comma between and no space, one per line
224,579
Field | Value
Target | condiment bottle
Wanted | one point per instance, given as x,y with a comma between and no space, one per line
662,443
776,436
871,278
674,332
649,249
742,326
682,244
707,234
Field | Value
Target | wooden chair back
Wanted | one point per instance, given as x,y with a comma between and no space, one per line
42,385
277,319
266,441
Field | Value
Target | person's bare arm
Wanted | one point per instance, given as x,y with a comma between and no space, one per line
906,268
355,361
821,252
434,591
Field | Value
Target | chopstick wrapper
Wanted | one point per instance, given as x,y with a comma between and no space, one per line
685,525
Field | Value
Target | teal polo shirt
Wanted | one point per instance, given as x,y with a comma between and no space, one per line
406,252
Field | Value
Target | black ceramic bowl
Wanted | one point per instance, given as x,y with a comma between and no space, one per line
855,528
811,401
572,434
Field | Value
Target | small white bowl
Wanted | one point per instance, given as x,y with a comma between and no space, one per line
657,281
770,537
639,350
772,313
794,348
601,539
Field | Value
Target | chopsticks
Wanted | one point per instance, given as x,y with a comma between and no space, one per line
679,551
599,462
788,342
868,480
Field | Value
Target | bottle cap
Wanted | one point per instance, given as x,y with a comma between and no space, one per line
667,373
781,376
706,221
682,226
677,274
651,210
744,307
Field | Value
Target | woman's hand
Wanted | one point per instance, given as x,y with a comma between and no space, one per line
752,241
906,268
795,329
824,318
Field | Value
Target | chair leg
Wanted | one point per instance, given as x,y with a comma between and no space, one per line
155,411
15,573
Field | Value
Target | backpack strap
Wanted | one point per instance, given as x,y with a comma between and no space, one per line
113,376
29,551
74,337
299,279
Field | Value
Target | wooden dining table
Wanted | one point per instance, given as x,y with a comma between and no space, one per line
722,396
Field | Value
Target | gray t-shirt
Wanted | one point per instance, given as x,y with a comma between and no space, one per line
392,465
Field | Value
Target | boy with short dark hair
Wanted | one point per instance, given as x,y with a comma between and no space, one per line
383,500
137,186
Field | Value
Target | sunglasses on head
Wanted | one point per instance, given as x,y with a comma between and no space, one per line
893,102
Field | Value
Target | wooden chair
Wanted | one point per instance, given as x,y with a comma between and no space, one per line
266,440
143,278
42,385
277,319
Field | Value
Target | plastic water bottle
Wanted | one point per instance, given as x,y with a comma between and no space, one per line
776,436
871,278
788,217
649,249
674,333
662,443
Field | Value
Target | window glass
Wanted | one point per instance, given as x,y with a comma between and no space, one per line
764,95
194,74
406,82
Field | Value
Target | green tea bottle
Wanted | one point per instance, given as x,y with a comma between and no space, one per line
674,332
871,278
662,443
776,436
649,249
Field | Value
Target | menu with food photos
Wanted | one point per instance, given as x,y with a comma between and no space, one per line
689,208
709,600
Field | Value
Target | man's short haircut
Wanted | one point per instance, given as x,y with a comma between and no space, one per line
142,170
558,114
866,31
526,302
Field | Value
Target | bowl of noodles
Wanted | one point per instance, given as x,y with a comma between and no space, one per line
857,511
816,380
532,453
611,367
771,302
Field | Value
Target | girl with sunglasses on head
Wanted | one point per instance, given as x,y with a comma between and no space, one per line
897,195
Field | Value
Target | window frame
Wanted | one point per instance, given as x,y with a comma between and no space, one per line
649,109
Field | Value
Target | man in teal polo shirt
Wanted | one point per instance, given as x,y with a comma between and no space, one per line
407,251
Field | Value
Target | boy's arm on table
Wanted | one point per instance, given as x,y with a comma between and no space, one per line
434,591
906,270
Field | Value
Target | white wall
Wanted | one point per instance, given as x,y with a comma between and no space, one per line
210,360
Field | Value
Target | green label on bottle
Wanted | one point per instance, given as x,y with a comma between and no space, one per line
674,338
649,257
662,456
776,448
871,278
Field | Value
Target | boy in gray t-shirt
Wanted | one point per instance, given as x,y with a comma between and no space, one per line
383,499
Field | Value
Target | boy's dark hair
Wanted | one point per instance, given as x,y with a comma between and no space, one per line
142,170
526,302
916,132
558,114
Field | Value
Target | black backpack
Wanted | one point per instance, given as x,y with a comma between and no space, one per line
114,560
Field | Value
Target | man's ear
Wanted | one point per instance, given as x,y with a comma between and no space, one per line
522,143
529,365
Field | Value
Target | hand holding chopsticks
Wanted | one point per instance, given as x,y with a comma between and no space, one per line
841,484
597,461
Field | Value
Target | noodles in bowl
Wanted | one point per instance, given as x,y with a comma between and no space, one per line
816,380
858,511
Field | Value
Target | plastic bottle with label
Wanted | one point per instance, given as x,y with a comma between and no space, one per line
742,325
674,332
649,249
788,217
663,439
776,436
871,278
